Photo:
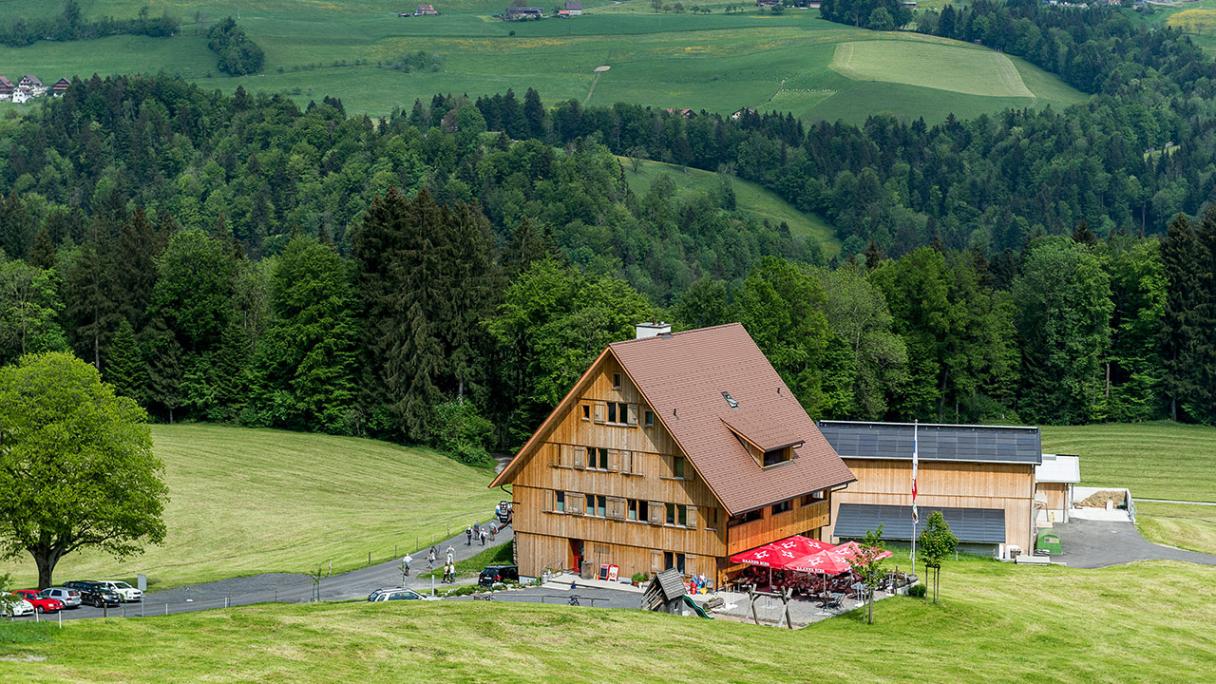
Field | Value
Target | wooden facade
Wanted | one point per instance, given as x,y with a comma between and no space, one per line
948,484
1055,498
609,484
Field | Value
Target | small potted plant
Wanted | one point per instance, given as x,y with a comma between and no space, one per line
638,578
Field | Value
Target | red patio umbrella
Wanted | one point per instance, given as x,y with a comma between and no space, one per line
779,554
831,562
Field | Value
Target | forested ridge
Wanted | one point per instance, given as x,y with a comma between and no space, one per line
444,274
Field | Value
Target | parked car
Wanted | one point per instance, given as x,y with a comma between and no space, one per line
397,594
493,574
127,592
504,512
42,604
69,597
95,594
16,606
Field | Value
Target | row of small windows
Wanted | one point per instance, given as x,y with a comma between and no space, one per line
779,507
616,413
635,510
617,460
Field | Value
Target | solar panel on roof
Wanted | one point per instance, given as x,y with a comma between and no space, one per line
936,442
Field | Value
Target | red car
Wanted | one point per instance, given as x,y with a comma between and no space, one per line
40,604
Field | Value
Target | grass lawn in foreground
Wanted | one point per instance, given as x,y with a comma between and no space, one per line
717,62
1160,460
749,197
247,501
997,622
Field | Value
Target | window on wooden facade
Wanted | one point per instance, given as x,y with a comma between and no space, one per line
639,510
673,560
677,514
586,411
616,381
784,506
597,457
808,499
618,412
678,467
597,505
650,419
559,502
777,456
711,518
747,517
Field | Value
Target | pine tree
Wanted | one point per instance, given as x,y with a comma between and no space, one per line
125,368
164,360
534,114
1188,296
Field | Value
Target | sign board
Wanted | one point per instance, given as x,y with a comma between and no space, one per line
141,582
614,572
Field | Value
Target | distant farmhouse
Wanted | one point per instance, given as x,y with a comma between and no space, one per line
571,9
423,10
523,14
28,88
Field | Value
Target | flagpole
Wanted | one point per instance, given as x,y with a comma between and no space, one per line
915,459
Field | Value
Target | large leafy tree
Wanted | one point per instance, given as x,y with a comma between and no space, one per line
29,307
1134,369
961,360
781,305
305,375
857,313
76,465
552,323
1064,308
193,294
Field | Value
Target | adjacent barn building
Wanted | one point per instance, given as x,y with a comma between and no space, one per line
671,451
982,479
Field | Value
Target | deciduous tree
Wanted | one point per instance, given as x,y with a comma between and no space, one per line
77,469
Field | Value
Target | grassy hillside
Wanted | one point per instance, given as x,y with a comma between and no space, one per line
998,622
249,501
749,197
717,62
1187,527
1155,460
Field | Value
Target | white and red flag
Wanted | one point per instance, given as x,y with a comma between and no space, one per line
915,460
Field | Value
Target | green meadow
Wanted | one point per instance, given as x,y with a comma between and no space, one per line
716,62
997,622
751,199
245,501
1159,460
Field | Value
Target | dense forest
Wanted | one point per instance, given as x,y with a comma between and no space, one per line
444,274
71,25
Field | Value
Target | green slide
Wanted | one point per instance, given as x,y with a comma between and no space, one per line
693,604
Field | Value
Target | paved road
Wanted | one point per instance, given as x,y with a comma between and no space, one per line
288,588
1097,544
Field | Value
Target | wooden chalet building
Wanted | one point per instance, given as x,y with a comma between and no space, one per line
6,89
671,451
982,479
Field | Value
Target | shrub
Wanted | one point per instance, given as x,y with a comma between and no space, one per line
462,433
917,591
416,61
238,55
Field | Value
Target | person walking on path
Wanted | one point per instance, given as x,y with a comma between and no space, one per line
430,558
468,536
493,531
405,564
451,556
483,536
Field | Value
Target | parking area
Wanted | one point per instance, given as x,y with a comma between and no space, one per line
1100,543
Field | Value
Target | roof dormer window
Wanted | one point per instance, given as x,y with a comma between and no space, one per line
730,401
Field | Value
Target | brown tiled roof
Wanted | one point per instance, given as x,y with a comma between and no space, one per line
682,376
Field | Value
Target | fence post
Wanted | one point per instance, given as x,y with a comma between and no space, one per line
37,615
141,608
61,619
124,609
166,609
369,557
